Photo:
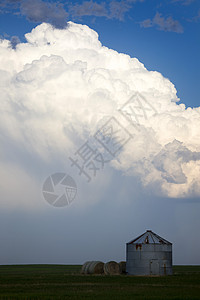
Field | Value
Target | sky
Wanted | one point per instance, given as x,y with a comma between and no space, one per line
99,128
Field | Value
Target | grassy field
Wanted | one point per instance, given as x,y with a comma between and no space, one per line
65,282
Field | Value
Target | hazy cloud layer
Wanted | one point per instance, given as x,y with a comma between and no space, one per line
54,13
111,10
44,11
89,8
162,23
118,9
184,2
4,3
60,86
40,11
58,13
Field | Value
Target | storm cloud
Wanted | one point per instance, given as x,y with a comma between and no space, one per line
61,86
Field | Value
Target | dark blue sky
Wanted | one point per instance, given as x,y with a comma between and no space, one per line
164,35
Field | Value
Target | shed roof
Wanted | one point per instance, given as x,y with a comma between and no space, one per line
149,237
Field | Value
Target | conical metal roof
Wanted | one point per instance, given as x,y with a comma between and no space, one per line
149,237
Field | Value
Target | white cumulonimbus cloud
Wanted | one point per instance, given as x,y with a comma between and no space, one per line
58,87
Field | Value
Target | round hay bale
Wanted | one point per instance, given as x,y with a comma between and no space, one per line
112,268
96,267
88,267
85,267
122,265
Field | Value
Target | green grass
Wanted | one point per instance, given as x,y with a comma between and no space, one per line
66,282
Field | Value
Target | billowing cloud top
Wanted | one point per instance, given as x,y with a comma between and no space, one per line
58,88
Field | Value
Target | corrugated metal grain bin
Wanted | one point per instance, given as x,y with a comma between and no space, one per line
149,254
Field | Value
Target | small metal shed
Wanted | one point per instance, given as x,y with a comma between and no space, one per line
149,254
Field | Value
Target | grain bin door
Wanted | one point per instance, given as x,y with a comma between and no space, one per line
154,267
